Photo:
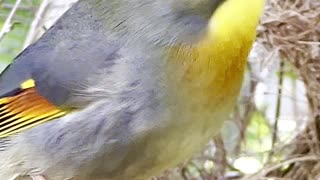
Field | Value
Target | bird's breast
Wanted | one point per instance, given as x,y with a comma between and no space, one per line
208,75
203,84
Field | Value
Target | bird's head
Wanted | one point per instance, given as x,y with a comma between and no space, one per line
174,21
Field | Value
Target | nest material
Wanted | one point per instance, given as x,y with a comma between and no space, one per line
292,27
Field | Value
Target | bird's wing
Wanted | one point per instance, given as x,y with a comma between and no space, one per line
50,77
25,109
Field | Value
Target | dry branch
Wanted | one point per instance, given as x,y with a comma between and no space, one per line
293,28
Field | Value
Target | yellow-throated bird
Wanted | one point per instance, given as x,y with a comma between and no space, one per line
123,89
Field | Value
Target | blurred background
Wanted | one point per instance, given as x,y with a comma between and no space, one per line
274,132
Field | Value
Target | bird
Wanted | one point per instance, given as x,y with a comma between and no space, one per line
123,89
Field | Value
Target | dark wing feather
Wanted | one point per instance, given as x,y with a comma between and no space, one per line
60,63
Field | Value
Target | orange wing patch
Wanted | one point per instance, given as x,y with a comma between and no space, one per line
25,110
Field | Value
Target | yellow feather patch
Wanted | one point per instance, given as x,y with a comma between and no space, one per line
234,20
25,110
28,84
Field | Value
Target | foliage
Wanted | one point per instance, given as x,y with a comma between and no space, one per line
12,43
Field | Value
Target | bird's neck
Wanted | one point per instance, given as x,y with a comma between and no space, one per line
212,70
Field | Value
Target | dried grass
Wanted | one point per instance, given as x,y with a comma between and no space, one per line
292,27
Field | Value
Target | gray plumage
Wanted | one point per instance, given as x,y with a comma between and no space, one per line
106,60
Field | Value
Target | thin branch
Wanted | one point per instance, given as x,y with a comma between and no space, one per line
21,7
8,23
35,24
220,157
265,171
278,108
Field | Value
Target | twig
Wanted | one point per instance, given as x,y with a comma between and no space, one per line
278,109
248,107
35,23
8,23
220,157
265,171
21,7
